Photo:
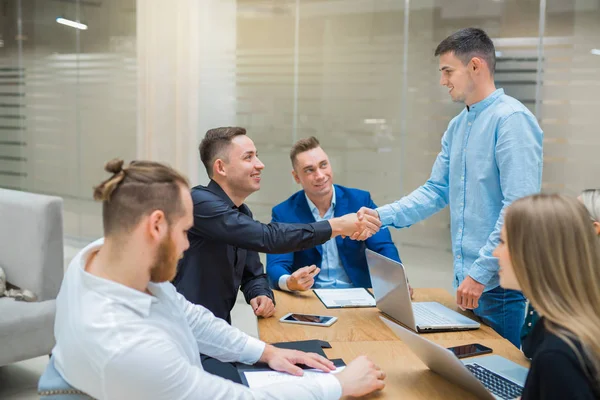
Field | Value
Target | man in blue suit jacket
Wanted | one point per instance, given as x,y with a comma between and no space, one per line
340,262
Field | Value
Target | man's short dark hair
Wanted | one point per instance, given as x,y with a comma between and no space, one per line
303,145
468,43
214,144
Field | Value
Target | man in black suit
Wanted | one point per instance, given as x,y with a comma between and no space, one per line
225,239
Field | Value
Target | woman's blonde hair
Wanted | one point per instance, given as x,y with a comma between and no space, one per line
555,254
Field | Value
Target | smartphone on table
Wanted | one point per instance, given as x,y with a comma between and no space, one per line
470,350
308,319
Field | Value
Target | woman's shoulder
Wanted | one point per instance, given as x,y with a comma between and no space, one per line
549,343
556,371
554,350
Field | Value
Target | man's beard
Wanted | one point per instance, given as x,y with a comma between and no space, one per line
165,265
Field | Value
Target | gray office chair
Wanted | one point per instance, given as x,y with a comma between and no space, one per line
31,255
52,386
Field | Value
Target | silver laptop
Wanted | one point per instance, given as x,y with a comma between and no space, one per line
392,297
488,377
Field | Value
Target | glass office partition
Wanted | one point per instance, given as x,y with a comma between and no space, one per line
569,98
358,74
67,99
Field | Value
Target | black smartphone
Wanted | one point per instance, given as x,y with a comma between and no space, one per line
469,350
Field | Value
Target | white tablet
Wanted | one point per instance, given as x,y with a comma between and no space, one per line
308,319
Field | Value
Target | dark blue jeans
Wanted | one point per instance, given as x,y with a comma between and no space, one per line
504,311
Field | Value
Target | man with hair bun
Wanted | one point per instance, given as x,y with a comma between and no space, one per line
122,330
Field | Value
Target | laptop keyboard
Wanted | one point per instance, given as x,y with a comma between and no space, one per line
499,386
424,316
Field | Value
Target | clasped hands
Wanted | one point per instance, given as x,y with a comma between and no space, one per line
358,226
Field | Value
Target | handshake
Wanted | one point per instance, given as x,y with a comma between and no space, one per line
358,226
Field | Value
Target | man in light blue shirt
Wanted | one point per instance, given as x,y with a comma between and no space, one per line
491,155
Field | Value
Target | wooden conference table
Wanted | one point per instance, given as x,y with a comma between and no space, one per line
360,331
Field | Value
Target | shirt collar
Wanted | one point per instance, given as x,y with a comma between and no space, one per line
218,190
120,294
313,207
483,104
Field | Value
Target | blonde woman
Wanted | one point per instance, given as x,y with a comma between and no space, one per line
549,250
591,200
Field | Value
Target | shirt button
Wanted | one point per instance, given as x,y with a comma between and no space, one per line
460,231
458,256
469,124
529,324
462,178
531,313
462,204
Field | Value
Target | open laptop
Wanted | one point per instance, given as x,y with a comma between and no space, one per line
392,297
488,377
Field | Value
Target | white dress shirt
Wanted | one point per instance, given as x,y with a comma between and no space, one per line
114,342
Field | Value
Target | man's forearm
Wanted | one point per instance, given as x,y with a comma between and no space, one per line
241,230
485,266
482,274
279,238
257,286
417,206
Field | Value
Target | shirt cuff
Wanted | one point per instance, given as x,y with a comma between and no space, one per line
386,215
330,385
480,274
253,350
323,232
283,283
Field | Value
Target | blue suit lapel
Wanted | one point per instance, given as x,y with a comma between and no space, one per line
305,215
341,209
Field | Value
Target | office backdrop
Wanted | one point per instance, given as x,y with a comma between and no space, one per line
147,78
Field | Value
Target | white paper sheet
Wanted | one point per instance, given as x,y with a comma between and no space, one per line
257,379
355,297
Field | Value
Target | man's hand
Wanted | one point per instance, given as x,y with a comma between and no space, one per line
363,214
285,360
262,306
364,211
468,293
303,278
361,377
350,225
411,291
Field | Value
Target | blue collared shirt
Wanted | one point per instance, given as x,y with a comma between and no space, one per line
491,155
332,274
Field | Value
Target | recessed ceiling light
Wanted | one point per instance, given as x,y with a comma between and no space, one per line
72,24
